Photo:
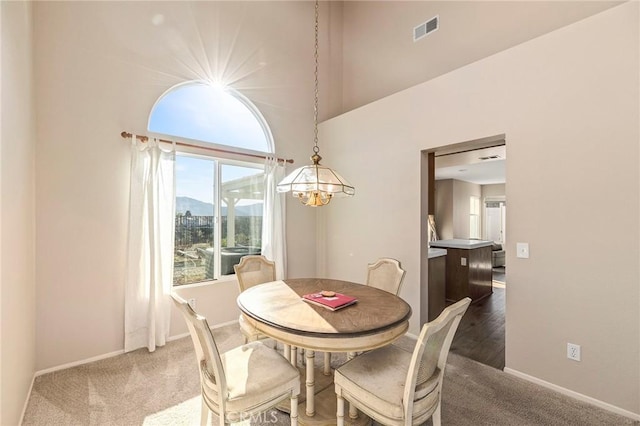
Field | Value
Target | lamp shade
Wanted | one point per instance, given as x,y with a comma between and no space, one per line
315,184
316,178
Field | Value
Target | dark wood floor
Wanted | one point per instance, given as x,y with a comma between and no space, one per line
480,335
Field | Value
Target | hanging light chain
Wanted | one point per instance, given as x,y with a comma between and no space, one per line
315,185
316,150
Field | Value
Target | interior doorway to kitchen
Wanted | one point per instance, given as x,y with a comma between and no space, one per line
478,169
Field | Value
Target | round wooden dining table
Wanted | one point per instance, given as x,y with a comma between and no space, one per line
277,309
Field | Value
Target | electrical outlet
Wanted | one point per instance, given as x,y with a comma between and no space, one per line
573,351
192,303
463,261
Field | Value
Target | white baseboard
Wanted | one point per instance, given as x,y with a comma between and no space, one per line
413,336
63,367
222,324
92,359
573,394
180,336
177,336
80,362
111,354
26,401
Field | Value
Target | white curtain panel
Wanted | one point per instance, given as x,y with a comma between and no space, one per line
273,218
150,253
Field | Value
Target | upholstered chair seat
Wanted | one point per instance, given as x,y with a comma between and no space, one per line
386,371
249,332
254,375
242,382
395,386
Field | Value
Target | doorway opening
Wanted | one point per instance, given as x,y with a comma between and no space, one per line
495,226
463,195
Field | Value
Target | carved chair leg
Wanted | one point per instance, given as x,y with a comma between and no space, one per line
436,416
340,411
294,410
353,411
204,413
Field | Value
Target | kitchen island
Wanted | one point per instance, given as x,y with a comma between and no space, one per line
468,268
432,300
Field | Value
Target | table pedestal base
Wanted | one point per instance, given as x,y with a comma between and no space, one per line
325,415
325,403
322,382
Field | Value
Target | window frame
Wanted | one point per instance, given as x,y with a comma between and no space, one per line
205,144
236,157
217,163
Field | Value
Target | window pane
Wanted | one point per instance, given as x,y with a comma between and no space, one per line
474,227
241,197
218,204
202,112
194,222
474,217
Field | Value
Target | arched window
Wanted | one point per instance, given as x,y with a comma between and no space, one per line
218,199
204,112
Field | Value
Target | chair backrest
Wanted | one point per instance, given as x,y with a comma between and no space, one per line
212,376
386,274
430,358
253,270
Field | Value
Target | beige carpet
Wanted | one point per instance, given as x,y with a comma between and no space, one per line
162,388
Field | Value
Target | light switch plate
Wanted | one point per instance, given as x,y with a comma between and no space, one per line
522,250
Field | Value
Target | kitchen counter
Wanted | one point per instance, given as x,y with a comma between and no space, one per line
468,268
457,243
436,252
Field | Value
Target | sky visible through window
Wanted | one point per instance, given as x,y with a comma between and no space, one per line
206,113
194,177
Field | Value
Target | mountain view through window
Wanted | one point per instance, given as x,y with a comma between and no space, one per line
218,201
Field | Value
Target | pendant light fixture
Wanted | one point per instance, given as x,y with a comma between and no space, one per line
315,185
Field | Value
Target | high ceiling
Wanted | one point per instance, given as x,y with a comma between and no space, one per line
469,31
380,56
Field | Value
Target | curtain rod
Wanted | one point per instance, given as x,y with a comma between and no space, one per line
146,138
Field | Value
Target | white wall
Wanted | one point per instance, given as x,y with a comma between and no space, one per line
444,208
452,207
17,204
494,190
468,31
100,66
462,191
567,101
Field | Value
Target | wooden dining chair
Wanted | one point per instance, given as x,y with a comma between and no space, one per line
386,274
242,382
253,270
398,387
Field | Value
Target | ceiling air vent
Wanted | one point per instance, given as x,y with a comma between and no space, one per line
425,28
489,157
